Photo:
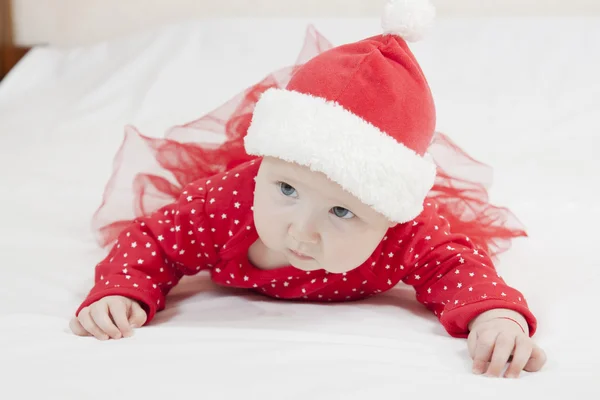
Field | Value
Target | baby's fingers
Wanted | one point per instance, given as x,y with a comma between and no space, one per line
89,325
77,328
102,319
138,315
520,357
484,346
503,348
537,360
118,311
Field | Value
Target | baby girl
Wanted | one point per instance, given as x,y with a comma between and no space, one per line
332,204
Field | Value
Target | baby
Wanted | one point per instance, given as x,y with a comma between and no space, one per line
332,206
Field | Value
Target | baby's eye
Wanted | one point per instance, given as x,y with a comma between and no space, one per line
341,212
286,189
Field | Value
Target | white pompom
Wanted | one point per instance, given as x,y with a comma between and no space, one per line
409,19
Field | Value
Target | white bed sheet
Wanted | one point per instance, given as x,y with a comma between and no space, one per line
519,94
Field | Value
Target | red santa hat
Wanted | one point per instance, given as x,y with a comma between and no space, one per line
362,114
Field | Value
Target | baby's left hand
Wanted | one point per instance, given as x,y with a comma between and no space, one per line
493,341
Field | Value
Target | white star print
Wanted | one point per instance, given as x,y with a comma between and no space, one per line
459,285
237,205
429,290
224,216
470,289
160,238
457,272
235,192
134,245
391,255
140,261
502,294
417,277
177,228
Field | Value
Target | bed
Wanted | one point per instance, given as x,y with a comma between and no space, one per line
519,93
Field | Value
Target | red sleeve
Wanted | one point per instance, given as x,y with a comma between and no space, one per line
155,252
450,276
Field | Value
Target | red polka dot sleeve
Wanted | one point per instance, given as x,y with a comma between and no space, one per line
153,254
451,277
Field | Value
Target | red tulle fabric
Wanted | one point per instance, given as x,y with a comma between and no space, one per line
149,173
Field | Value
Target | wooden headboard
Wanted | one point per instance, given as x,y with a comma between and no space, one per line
10,53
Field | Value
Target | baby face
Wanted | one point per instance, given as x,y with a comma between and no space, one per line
311,221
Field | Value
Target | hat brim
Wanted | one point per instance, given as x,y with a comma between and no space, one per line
325,137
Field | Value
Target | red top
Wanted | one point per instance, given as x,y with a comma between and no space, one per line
210,227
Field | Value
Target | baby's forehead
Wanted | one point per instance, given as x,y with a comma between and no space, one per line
304,176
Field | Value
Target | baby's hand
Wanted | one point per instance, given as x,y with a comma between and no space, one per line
110,317
492,342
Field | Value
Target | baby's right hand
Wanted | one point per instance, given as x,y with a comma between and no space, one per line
110,317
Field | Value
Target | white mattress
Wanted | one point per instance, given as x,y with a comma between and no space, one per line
519,94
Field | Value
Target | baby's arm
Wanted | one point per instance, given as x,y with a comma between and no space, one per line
460,285
452,277
153,253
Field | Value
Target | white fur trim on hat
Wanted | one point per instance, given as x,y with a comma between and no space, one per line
322,135
409,19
